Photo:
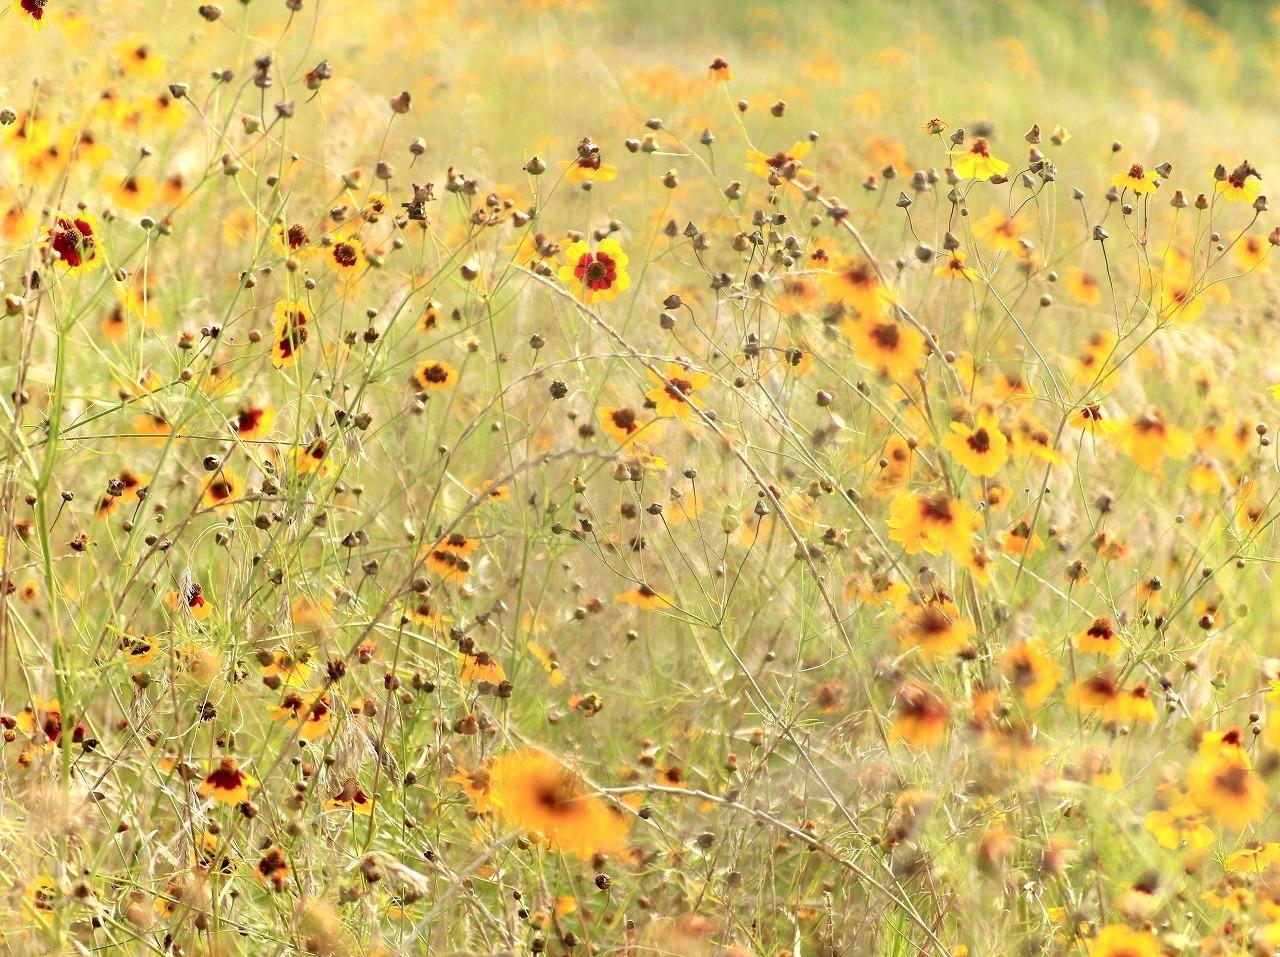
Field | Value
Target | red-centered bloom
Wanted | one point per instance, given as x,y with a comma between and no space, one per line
291,333
719,71
33,11
73,240
227,784
597,276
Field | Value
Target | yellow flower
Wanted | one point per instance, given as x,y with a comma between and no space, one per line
976,162
1137,178
784,164
980,450
1148,439
1241,185
647,598
932,524
890,347
955,266
227,784
598,276
1117,940
74,241
1031,671
434,374
671,397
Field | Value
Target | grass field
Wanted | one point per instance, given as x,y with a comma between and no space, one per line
707,479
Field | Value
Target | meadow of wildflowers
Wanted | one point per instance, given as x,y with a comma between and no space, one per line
603,477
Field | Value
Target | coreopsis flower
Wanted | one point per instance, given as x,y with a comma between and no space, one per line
1099,638
1119,940
1182,824
931,524
1093,362
434,374
1030,671
622,425
1090,418
1242,185
981,450
671,396
350,797
125,486
345,256
312,457
955,267
1255,857
890,347
533,792
642,596
719,71
595,277
1021,540
73,239
935,126
252,422
1225,787
138,59
976,161
480,666
536,250
42,721
854,282
922,716
227,783
785,164
310,713
879,588
133,192
588,166
493,492
1148,440
935,629
222,489
549,661
1084,287
1100,695
1000,230
192,599
273,869
290,333
1137,178
33,11
477,785
291,240
282,667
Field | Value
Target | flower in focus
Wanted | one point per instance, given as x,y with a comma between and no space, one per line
227,784
73,239
595,277
1137,178
435,374
671,397
976,162
33,11
955,267
350,797
533,792
980,450
291,332
193,601
1242,185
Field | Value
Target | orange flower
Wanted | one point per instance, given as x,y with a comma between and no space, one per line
1031,671
890,347
480,666
622,425
42,720
126,486
922,716
193,601
222,489
477,785
935,628
311,711
534,793
718,72
227,784
1148,440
